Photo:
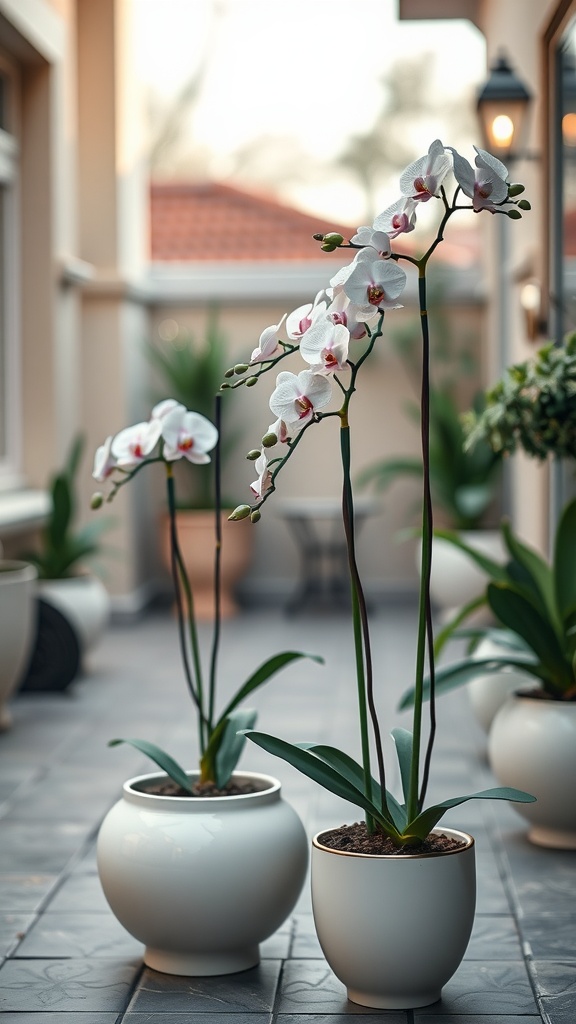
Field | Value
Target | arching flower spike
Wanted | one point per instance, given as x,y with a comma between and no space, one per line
268,343
374,284
295,399
422,179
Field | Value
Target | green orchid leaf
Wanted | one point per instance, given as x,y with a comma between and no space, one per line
404,747
450,628
354,772
517,612
494,570
323,773
262,675
231,744
425,822
565,562
450,677
537,576
61,516
161,758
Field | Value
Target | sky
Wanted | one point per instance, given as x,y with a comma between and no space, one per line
306,71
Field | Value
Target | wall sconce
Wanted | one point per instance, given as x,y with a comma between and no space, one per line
502,105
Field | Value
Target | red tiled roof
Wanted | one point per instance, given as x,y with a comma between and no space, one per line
218,222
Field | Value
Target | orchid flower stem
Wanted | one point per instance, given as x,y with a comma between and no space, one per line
425,638
217,561
181,583
362,644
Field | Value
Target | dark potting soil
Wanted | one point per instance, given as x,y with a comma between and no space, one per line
356,839
169,788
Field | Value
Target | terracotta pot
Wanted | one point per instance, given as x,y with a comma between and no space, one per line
196,535
17,627
394,929
532,745
201,881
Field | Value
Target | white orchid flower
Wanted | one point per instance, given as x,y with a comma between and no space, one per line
422,179
400,218
104,462
325,347
486,186
163,408
264,480
374,284
296,398
376,239
135,444
342,311
267,344
187,435
299,321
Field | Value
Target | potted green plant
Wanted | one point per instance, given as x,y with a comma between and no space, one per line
74,604
191,370
200,865
381,887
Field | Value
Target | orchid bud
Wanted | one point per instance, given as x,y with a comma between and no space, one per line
240,512
269,440
318,237
253,455
225,386
515,190
255,516
240,368
97,500
514,214
251,382
229,372
331,241
523,204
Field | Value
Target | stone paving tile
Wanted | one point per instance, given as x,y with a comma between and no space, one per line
487,987
474,1018
494,938
557,983
366,1017
551,936
310,987
24,893
12,927
83,934
196,1018
41,848
252,991
79,892
70,1017
66,985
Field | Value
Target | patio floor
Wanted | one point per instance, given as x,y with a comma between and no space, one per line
64,958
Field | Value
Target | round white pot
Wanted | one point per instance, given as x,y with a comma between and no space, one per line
532,745
394,929
202,881
84,601
17,623
455,578
488,690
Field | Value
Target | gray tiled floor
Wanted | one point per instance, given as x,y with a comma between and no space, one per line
63,956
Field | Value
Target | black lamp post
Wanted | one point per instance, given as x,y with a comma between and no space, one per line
502,106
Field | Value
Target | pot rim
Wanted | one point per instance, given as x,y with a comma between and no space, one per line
131,789
453,832
538,695
9,566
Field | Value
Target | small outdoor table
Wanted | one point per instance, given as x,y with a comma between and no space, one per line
317,527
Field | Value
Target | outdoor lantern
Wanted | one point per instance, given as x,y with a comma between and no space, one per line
502,106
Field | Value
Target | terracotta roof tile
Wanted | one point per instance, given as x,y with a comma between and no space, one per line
218,222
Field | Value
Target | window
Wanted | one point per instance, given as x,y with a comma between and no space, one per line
9,354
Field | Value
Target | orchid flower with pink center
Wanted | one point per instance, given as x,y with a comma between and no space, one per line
486,186
268,343
263,482
163,408
374,284
296,398
398,219
377,240
325,347
135,444
298,322
104,462
187,435
342,311
422,179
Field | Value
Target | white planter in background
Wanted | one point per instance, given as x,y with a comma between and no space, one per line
84,601
394,929
201,881
455,578
17,628
488,690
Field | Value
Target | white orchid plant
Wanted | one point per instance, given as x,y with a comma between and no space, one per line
173,433
325,333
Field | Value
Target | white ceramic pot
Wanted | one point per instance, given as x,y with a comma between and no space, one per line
455,578
394,929
84,601
202,881
532,745
488,690
17,625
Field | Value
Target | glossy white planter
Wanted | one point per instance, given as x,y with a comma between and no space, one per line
84,601
488,690
455,578
394,929
202,881
532,745
17,627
